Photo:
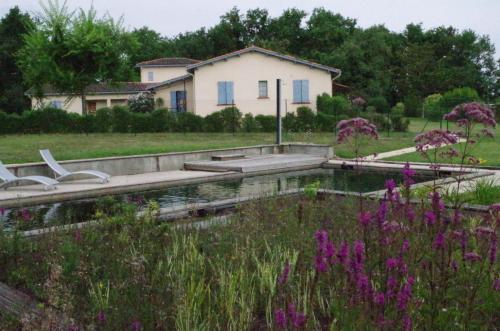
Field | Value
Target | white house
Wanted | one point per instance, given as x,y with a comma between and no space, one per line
245,78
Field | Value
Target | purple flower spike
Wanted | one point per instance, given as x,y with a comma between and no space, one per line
136,326
472,257
283,278
430,217
379,298
298,319
101,317
280,318
365,218
438,241
496,284
391,263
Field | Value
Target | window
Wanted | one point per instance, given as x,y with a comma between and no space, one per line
225,93
263,89
56,104
301,91
178,101
151,76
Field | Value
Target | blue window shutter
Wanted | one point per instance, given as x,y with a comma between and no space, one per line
305,91
221,88
173,100
297,91
229,93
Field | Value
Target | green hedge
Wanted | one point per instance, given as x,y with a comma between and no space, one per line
119,119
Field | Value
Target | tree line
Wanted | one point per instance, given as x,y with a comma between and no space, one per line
70,50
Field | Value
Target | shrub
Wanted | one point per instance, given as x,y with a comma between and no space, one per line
120,119
413,106
380,103
289,122
432,107
162,120
249,124
325,122
188,122
231,118
306,120
141,103
140,122
103,120
213,122
267,123
458,96
398,121
335,105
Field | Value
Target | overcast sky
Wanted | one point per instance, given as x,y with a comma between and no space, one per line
173,17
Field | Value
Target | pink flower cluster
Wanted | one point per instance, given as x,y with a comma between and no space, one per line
472,112
434,138
354,128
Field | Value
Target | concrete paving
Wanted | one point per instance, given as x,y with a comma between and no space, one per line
258,163
398,152
34,194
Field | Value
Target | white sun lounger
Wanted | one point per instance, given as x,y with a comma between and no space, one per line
63,174
9,179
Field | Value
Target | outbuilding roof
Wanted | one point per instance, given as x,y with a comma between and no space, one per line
168,62
264,51
102,88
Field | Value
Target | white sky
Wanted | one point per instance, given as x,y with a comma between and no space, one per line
172,17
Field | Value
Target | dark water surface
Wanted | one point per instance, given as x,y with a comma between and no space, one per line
83,210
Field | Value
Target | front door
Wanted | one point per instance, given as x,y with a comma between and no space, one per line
181,101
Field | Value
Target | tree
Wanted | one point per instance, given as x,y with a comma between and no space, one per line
72,50
12,28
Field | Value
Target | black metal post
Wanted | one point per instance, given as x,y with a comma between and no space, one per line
278,111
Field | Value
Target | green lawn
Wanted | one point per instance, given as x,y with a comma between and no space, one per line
24,148
488,149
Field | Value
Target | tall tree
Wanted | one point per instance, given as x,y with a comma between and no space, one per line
72,50
12,28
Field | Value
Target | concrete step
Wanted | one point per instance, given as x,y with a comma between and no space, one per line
228,157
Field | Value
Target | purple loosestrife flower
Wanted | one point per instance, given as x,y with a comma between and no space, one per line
343,254
320,263
438,241
430,217
404,296
408,175
437,202
434,139
355,127
379,298
78,235
26,215
475,112
283,278
391,263
101,317
493,249
298,319
409,212
365,218
136,326
382,212
405,246
391,287
280,318
496,284
359,251
407,324
472,257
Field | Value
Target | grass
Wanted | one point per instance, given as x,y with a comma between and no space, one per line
24,148
137,270
488,150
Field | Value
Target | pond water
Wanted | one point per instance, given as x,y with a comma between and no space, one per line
83,210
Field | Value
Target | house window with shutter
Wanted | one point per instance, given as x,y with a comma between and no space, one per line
151,76
263,89
225,93
301,91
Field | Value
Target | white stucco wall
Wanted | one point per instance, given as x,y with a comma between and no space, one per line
161,74
74,104
246,71
164,93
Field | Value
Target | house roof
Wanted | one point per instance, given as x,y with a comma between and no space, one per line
102,88
167,62
264,51
171,81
